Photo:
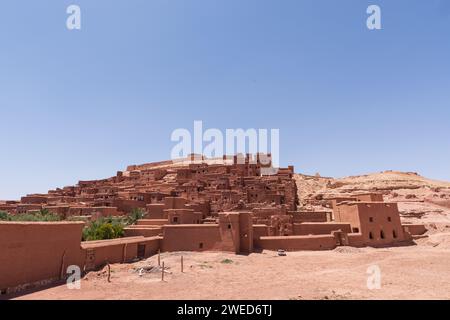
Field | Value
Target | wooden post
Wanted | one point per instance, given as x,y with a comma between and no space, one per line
159,258
124,253
162,272
181,264
63,260
109,272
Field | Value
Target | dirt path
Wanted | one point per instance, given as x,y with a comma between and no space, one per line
414,272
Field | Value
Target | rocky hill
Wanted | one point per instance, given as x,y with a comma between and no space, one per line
420,200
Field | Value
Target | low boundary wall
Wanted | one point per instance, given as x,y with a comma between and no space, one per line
294,243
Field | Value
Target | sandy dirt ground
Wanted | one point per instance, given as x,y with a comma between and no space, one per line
412,272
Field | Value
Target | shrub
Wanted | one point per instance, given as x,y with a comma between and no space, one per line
4,216
103,229
78,218
135,215
42,215
44,212
227,261
106,231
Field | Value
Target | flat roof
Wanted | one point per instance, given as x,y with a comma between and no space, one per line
118,241
41,222
146,227
351,203
305,212
297,237
323,223
209,225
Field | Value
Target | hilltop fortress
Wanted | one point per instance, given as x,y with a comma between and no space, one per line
196,204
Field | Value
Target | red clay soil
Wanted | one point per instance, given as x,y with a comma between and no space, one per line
414,272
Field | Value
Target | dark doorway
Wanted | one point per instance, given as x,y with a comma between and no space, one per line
141,251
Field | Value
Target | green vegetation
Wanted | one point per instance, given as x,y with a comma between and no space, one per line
100,229
111,227
104,228
3,216
78,218
135,215
205,265
41,215
227,261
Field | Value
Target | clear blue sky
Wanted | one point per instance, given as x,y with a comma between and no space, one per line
84,104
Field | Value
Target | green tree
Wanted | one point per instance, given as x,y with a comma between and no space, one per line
104,228
135,215
4,216
106,231
44,212
42,215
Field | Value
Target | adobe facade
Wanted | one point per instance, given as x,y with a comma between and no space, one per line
38,253
230,206
206,188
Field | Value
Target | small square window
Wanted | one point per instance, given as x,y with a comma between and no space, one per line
370,219
389,219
